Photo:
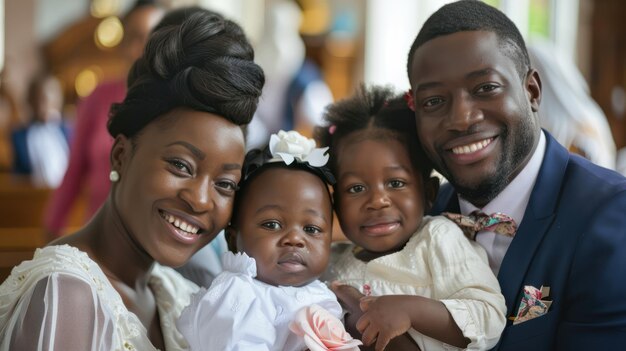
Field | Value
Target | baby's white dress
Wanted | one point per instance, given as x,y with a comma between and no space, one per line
240,313
73,305
438,262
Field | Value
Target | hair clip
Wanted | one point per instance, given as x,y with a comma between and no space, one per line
332,128
408,97
289,146
291,149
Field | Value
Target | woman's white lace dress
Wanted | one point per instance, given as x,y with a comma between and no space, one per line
61,300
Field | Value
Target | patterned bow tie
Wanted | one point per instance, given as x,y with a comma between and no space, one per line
476,221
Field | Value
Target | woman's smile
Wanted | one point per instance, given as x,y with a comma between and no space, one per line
181,230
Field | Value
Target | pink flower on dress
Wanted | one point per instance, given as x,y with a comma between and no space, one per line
322,331
367,290
332,129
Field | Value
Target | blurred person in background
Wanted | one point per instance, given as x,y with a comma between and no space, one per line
89,151
40,148
567,110
9,118
295,94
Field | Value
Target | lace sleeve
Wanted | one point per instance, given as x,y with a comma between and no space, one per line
61,312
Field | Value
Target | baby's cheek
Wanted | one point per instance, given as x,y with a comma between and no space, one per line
319,254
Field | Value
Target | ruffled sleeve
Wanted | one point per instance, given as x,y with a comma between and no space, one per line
463,281
239,263
228,316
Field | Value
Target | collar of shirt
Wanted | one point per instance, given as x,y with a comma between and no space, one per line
511,201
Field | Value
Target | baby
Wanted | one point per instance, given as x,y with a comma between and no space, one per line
268,297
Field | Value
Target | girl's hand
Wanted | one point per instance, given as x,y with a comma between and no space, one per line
384,318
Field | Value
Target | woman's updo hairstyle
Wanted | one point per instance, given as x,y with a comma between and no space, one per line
201,61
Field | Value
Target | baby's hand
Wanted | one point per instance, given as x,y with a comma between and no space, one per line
384,318
349,298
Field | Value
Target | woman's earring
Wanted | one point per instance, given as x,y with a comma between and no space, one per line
114,176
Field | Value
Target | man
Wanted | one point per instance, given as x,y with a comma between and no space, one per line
476,98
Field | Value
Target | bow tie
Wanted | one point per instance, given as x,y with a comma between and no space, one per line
476,221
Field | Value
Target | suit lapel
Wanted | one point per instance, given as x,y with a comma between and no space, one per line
447,201
538,217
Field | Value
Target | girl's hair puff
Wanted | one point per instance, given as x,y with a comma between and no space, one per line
381,112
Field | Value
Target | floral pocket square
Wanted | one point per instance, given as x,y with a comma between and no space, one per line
534,304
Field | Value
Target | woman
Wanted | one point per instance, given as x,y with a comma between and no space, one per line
175,162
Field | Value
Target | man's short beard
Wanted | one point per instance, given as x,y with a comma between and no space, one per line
482,194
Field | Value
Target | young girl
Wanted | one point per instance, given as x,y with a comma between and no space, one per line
280,236
419,274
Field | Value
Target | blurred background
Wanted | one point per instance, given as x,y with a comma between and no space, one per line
54,53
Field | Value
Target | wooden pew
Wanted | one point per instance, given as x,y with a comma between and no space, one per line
16,245
22,209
